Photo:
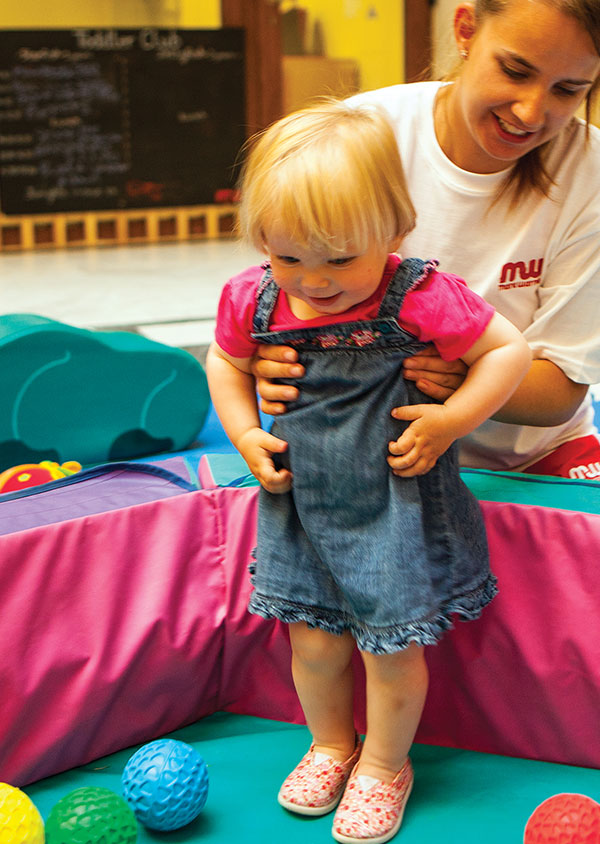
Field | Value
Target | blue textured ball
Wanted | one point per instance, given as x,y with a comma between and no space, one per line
166,784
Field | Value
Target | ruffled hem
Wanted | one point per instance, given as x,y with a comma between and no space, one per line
380,640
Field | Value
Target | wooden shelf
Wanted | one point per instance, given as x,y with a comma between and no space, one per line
109,228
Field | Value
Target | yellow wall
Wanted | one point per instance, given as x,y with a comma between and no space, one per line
369,31
106,13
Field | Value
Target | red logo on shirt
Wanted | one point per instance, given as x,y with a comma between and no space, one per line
591,471
519,274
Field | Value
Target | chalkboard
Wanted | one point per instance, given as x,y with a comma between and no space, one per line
94,119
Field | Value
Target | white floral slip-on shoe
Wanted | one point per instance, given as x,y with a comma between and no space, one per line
317,783
371,811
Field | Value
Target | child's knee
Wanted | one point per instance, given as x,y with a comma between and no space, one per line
407,663
314,647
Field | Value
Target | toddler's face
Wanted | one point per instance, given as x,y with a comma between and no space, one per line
318,283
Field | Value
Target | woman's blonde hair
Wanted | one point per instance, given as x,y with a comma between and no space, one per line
330,176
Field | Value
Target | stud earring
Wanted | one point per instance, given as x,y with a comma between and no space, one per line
464,55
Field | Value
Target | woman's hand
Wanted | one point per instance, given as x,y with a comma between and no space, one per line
275,362
435,377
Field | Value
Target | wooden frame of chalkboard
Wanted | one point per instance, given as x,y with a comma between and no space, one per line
100,119
116,228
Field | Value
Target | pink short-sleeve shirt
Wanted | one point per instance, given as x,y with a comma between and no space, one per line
440,310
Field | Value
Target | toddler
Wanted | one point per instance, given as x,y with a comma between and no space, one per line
350,552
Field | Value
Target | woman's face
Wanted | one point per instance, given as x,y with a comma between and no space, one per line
527,71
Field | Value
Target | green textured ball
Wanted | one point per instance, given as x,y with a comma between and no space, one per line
91,816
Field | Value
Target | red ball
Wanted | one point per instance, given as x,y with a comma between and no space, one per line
564,819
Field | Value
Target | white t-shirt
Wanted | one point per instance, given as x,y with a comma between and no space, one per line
537,264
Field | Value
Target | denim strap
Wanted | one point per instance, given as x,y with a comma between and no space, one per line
410,273
266,296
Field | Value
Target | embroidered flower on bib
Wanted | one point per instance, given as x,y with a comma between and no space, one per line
328,341
362,338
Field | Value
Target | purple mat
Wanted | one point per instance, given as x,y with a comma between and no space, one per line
100,489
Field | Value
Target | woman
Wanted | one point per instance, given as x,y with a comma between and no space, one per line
506,183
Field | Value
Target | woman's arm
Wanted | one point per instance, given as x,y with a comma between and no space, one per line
496,362
545,397
233,394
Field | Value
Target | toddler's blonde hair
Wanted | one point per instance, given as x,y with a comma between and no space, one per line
329,176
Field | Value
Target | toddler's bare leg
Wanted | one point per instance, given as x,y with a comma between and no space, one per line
322,671
396,691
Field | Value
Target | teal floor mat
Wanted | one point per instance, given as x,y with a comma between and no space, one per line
229,469
459,797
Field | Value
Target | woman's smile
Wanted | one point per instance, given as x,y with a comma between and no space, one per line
511,133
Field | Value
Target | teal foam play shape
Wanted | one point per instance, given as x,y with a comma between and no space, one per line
93,396
460,797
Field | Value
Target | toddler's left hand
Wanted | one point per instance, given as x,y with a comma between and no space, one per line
428,436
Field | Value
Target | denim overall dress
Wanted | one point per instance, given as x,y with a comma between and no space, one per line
352,546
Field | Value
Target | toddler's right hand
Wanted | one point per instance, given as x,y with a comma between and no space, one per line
257,447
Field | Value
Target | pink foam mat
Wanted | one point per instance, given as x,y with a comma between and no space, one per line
523,680
120,626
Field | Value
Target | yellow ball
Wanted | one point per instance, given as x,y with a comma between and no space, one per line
20,821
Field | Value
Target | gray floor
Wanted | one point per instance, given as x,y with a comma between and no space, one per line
167,292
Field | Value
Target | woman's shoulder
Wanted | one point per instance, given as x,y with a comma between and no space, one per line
574,159
395,99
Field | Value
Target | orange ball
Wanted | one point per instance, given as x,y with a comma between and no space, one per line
564,819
